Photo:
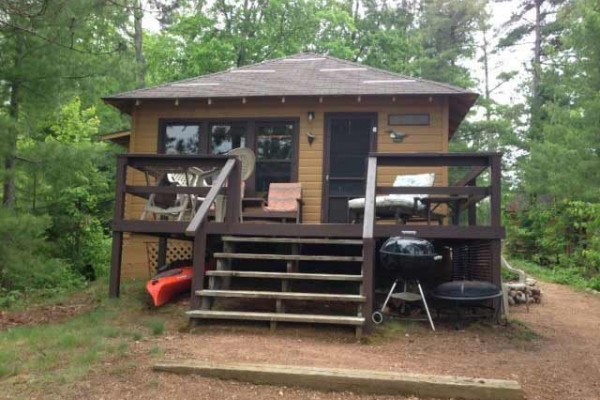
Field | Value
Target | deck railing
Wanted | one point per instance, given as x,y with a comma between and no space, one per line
463,195
134,168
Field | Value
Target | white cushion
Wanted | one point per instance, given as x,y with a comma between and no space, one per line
423,180
399,200
385,201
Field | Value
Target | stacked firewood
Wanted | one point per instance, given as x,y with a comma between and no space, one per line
524,293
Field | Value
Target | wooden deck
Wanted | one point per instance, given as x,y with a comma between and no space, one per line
365,234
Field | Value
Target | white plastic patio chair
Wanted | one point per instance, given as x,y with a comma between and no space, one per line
182,202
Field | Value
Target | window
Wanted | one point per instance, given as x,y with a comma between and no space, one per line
224,137
274,153
409,119
180,138
274,142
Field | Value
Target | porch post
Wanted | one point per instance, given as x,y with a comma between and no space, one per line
114,286
161,258
199,270
368,265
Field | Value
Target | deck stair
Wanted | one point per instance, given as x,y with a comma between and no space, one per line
298,274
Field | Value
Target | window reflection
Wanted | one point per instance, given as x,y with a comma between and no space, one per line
181,139
274,142
224,137
274,150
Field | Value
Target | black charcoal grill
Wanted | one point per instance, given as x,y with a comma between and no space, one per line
410,259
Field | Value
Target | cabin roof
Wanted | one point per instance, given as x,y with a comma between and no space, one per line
305,74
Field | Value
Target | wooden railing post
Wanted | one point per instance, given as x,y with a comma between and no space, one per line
199,268
369,218
234,194
114,287
496,194
369,243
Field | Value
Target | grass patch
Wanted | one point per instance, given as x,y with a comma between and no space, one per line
156,326
66,351
565,276
517,330
391,330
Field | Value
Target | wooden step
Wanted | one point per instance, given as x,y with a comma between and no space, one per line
285,257
280,317
287,275
251,294
257,239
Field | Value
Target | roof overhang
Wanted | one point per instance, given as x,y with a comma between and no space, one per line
120,138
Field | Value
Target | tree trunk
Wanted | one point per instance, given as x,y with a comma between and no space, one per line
241,57
9,196
488,106
536,101
138,40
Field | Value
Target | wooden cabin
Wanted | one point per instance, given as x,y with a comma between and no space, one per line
342,130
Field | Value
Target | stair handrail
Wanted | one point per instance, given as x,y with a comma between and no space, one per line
200,217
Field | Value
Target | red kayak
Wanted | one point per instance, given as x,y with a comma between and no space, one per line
167,285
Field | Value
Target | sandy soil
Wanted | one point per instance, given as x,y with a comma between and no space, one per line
554,352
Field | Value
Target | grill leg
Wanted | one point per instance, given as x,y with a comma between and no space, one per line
426,307
389,295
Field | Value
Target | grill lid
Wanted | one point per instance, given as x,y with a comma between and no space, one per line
407,245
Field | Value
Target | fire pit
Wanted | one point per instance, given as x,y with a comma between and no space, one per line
466,292
410,259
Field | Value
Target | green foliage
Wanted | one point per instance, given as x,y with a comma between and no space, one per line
564,237
26,263
73,185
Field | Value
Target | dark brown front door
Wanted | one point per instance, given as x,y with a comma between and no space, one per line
350,138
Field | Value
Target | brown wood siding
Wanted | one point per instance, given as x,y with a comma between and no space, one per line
432,138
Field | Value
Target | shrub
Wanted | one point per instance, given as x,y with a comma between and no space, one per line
25,264
563,236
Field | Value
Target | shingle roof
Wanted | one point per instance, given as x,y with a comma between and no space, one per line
303,74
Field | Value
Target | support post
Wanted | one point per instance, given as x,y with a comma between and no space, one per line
367,286
496,264
199,264
496,190
114,287
234,194
368,264
161,258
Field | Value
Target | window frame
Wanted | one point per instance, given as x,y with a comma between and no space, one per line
251,123
400,115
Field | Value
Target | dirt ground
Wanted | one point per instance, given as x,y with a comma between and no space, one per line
553,351
55,313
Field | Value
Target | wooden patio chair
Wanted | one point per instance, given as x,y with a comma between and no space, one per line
284,201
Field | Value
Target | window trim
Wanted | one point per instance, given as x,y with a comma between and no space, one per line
204,140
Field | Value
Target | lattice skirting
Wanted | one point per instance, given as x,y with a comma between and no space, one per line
176,250
472,261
